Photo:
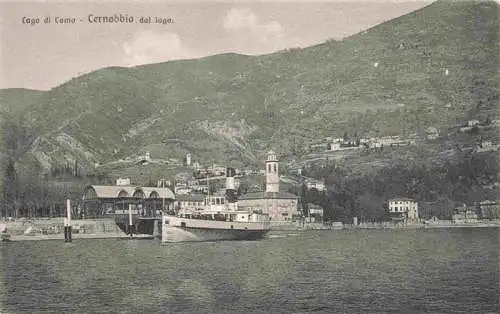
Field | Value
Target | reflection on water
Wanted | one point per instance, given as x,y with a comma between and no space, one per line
448,270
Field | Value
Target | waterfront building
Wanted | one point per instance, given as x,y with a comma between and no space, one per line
464,214
315,213
404,209
490,209
280,206
99,200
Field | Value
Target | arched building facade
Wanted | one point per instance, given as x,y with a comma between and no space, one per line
99,200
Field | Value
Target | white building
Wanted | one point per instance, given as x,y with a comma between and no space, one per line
486,146
405,208
272,174
123,182
163,182
471,123
318,185
334,146
431,133
188,159
182,188
315,213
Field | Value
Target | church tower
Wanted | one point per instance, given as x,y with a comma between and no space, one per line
272,173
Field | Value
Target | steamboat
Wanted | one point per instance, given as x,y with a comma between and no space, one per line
215,218
210,225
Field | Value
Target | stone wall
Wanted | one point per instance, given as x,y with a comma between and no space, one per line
56,226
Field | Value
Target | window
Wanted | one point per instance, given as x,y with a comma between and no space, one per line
275,168
396,208
269,168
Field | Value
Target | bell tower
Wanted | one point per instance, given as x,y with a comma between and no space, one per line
272,173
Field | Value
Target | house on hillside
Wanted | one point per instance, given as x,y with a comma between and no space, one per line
469,125
315,184
333,147
123,181
472,123
182,188
144,159
485,146
431,133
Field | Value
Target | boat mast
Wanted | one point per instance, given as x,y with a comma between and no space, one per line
209,199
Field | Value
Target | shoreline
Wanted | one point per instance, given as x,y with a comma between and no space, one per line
350,227
45,237
114,235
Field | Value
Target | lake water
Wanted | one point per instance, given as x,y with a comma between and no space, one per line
437,271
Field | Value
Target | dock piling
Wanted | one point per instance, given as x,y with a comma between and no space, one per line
130,220
67,225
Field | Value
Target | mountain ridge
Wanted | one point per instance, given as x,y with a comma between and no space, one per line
421,62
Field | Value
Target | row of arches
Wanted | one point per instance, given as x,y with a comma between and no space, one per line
139,193
99,200
119,192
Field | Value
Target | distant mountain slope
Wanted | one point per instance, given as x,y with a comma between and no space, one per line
18,99
439,62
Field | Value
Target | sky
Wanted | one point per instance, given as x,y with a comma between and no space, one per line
44,55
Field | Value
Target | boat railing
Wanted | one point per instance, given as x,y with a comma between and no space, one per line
215,217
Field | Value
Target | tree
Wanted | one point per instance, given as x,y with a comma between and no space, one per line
242,189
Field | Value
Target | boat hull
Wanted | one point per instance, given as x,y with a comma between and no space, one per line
140,225
176,229
183,234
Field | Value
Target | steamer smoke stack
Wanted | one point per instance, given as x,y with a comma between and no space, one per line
230,186
230,178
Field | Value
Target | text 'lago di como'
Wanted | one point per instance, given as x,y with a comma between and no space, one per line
97,19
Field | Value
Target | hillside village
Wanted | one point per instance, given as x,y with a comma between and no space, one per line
353,127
